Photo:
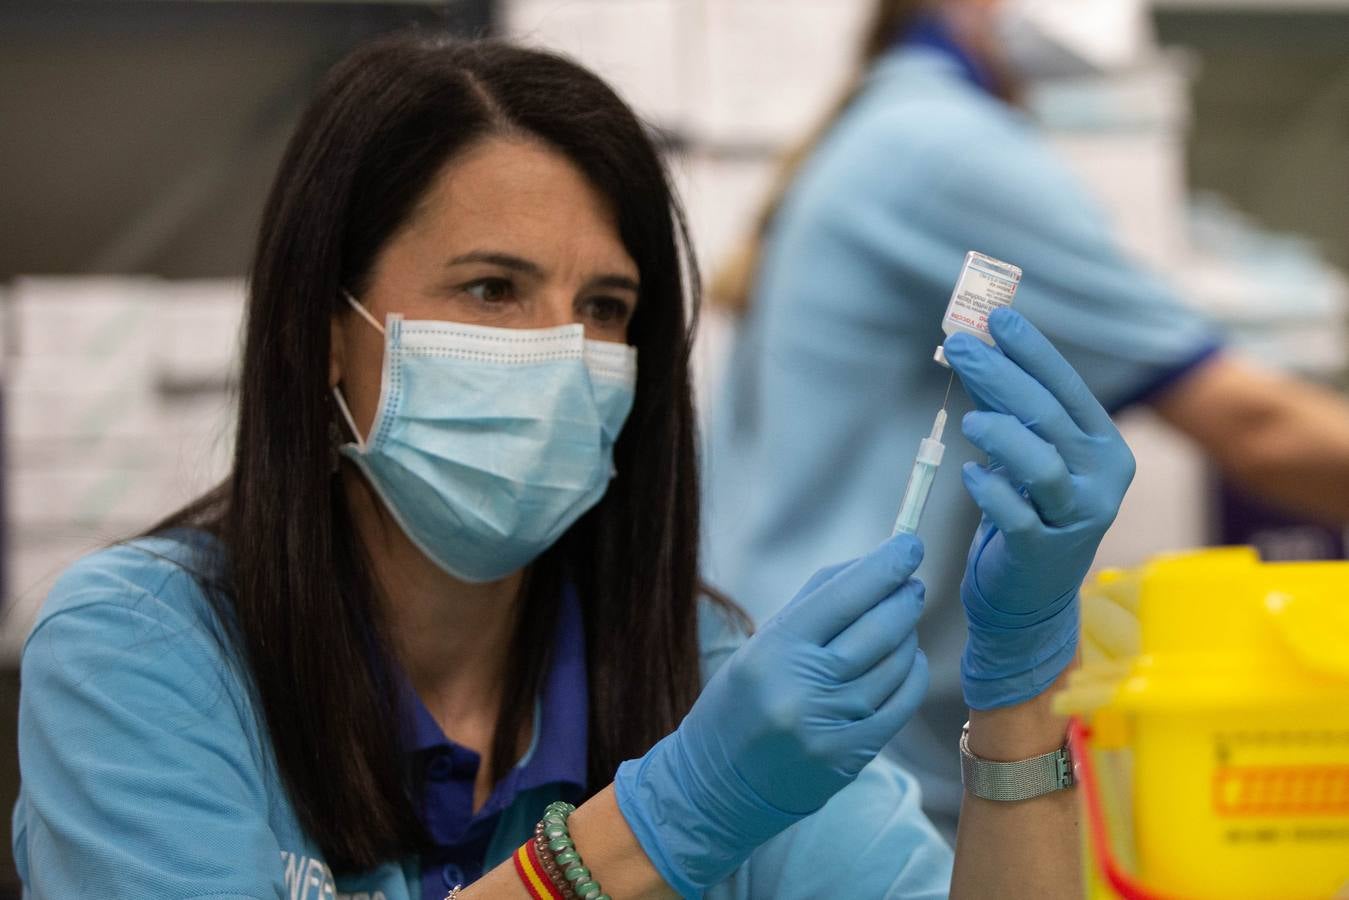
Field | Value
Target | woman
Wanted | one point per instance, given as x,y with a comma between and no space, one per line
831,383
452,575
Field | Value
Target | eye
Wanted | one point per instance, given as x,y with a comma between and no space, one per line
490,290
608,310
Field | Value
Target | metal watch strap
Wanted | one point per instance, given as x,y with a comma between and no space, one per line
1010,781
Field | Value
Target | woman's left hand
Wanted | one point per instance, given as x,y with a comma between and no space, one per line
1058,470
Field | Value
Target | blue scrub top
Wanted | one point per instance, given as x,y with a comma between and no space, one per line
831,384
146,772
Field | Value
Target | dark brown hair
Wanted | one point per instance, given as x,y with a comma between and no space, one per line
295,593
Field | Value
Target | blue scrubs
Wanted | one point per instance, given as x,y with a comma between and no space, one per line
146,774
831,384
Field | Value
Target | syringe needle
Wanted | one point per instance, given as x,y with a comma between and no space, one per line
949,381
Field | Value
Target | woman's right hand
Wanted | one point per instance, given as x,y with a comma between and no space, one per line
789,720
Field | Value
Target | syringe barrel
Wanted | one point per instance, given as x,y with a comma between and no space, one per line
930,452
915,497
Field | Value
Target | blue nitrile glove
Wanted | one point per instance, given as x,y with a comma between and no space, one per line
1058,472
790,719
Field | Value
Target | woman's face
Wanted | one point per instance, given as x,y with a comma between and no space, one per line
510,234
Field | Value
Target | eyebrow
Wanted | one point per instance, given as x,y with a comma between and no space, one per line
615,282
612,281
505,260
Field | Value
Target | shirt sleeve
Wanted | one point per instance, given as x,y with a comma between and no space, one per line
719,636
870,841
139,775
1119,324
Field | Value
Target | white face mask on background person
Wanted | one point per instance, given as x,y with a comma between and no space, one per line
489,443
1073,38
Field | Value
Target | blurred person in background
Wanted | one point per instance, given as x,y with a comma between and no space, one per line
452,577
840,291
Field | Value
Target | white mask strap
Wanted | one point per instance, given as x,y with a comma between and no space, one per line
365,313
337,393
346,414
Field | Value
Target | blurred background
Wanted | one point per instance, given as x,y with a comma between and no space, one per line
139,139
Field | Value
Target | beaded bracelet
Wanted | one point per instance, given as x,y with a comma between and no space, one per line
551,857
550,866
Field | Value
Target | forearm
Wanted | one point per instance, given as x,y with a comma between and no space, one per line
1283,439
609,849
1026,849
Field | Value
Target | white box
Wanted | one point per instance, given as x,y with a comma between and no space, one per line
50,400
1124,135
723,197
768,70
196,416
79,376
94,319
89,497
202,332
111,479
1167,506
35,413
1140,180
637,46
33,563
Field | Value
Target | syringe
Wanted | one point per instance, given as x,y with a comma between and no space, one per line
930,451
984,285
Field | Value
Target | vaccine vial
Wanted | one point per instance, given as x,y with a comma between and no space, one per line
985,284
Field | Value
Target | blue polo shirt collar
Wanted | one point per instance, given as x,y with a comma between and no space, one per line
556,754
930,31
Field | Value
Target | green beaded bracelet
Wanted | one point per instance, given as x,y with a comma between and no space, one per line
553,834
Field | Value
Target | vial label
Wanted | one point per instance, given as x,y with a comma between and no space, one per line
985,284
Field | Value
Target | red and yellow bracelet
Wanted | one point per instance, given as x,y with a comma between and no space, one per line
533,874
549,865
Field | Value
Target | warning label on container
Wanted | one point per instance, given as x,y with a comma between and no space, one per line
1281,790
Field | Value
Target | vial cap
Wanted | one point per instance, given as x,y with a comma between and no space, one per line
940,357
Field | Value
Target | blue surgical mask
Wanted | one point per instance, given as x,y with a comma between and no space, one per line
489,443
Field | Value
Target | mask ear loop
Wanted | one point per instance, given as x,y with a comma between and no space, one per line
337,393
365,313
346,414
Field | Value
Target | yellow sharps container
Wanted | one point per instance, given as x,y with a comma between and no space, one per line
1230,725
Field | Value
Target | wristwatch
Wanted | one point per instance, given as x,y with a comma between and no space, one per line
1010,781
